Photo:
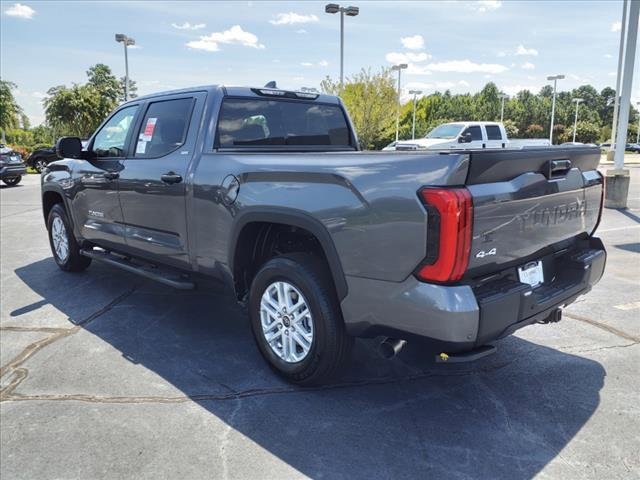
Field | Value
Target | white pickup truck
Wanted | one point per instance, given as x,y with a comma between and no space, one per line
467,136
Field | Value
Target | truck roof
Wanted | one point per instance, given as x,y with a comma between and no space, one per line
238,91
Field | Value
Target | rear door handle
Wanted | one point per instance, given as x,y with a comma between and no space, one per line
171,177
111,175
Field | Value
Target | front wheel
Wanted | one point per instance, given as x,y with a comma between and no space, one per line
40,164
65,249
296,319
12,181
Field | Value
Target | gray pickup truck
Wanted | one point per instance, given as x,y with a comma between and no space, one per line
266,191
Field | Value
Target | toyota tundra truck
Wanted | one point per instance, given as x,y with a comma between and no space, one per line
267,191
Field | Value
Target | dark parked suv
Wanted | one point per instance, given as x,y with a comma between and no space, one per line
11,166
265,190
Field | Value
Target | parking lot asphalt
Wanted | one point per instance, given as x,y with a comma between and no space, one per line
107,375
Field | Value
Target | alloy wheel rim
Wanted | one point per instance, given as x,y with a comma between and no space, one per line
287,324
59,238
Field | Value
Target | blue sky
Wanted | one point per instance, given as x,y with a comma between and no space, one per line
454,45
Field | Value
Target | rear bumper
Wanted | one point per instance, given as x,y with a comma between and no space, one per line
13,170
463,317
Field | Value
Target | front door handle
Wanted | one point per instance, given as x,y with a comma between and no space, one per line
171,177
111,175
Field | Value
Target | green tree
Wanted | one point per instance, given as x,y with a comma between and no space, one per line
80,109
371,100
133,89
10,111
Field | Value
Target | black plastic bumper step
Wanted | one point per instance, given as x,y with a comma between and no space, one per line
169,278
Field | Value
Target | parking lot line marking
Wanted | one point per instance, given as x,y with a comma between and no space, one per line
628,306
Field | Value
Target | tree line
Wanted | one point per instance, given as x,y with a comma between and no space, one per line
370,97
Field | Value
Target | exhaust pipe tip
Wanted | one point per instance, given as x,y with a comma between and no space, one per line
390,347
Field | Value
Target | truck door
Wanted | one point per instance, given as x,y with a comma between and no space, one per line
153,183
476,137
494,137
96,209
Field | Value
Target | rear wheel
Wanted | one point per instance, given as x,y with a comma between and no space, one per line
296,319
65,249
12,180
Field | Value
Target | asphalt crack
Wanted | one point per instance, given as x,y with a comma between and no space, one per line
603,326
21,373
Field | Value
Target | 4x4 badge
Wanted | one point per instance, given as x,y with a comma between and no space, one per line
482,253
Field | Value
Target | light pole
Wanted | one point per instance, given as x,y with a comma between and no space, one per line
555,79
638,131
127,42
399,68
349,12
575,122
415,94
503,97
619,75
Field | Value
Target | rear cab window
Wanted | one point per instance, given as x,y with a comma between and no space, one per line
254,123
164,127
493,132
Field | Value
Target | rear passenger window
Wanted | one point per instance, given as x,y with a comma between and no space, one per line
475,131
257,122
493,132
164,127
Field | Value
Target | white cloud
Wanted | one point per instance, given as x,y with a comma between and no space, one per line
323,63
522,50
292,18
502,54
464,83
20,11
302,30
616,26
414,69
527,66
134,47
607,55
513,90
486,5
234,36
298,79
466,66
409,57
612,74
306,64
38,95
415,42
188,26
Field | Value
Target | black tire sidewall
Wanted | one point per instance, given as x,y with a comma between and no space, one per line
13,180
58,211
290,271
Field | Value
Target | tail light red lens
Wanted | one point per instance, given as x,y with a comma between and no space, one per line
450,222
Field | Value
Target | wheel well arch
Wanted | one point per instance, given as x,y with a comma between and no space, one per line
49,199
261,235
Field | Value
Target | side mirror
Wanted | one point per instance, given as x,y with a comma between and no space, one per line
69,147
465,138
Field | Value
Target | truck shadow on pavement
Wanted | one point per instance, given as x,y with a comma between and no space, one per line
506,416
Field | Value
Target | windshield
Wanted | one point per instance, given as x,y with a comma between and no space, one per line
448,130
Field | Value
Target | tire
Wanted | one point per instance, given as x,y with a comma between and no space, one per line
39,164
330,345
12,181
60,231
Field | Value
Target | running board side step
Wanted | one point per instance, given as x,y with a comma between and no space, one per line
469,356
171,279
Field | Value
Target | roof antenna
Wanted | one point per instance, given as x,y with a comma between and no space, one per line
271,84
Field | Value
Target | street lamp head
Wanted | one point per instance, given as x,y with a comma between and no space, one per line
555,77
503,96
578,100
351,11
415,92
332,8
401,66
130,41
121,37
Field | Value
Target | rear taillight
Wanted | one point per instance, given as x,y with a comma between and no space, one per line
449,227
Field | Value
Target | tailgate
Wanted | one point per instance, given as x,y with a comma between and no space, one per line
531,202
